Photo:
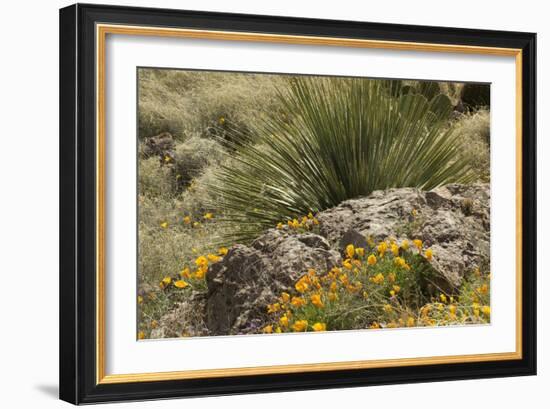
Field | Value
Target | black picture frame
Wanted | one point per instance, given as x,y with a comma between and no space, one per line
78,363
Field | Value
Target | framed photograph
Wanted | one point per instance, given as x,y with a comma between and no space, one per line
257,203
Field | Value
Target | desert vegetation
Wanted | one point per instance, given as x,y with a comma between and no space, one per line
227,159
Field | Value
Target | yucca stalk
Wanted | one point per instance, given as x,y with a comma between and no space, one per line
341,138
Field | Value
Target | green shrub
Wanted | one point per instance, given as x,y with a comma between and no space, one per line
338,138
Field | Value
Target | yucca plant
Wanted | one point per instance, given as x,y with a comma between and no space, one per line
339,138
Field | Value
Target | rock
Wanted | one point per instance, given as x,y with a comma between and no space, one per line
161,145
352,237
453,220
251,277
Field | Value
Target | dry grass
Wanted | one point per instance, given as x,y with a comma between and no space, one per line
475,132
185,103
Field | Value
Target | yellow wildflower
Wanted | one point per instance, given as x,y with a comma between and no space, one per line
410,322
185,273
154,324
392,293
298,301
285,297
332,296
443,298
350,250
486,310
165,281
315,221
382,248
283,321
201,261
316,300
391,277
221,120
483,289
197,224
343,279
278,330
395,249
300,325
347,264
181,284
140,299
429,254
405,244
268,329
213,258
201,272
371,260
310,215
164,225
141,335
272,308
319,326
301,286
279,225
374,325
208,216
223,251
452,309
187,220
396,288
399,261
360,251
418,244
388,308
377,279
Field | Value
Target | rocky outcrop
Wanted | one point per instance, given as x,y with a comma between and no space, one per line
453,220
249,278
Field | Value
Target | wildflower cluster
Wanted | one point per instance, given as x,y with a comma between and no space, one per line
189,221
172,286
470,306
305,223
376,286
197,272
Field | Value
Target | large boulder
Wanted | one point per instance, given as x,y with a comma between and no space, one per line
453,220
251,277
